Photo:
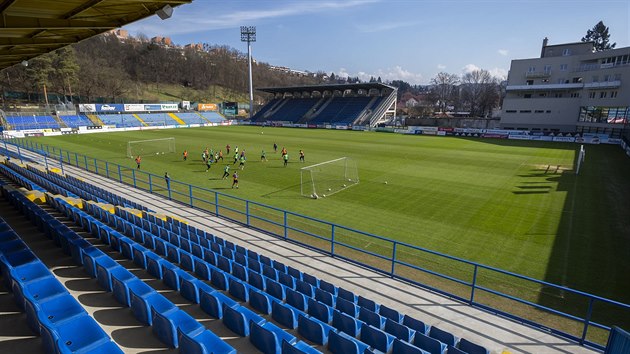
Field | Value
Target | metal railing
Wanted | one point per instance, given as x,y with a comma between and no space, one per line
576,315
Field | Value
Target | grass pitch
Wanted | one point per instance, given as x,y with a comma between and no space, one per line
509,204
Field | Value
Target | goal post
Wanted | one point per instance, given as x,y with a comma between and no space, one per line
150,147
329,177
580,159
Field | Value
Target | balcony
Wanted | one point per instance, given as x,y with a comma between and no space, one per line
545,87
602,85
537,74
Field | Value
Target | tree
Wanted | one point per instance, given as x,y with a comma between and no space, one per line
600,36
480,92
443,86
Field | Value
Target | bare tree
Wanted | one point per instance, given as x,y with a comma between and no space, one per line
443,87
480,92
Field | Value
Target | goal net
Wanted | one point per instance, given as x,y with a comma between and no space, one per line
328,178
150,147
580,159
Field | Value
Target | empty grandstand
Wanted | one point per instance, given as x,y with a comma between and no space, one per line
343,104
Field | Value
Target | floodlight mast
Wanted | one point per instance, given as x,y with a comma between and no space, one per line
248,34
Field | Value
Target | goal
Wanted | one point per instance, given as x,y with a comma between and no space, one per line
150,147
327,178
580,159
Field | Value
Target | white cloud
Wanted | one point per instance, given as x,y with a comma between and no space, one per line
389,74
503,52
441,66
468,68
499,73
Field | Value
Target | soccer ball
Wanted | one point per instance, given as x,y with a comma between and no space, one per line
385,182
324,195
329,189
314,196
349,180
344,185
157,153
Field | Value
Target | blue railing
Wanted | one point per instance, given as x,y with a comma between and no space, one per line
576,315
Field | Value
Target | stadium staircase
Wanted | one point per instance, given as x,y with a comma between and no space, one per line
177,119
140,120
95,119
161,268
204,118
59,121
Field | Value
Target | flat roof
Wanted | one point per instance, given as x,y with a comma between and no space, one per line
333,87
29,28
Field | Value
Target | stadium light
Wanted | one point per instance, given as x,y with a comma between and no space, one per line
248,34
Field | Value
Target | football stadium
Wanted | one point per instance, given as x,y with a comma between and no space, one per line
314,226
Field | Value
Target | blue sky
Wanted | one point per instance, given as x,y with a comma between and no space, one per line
409,40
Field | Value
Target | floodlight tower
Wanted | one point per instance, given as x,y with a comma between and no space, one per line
248,34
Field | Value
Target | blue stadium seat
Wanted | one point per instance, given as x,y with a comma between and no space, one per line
260,301
299,348
390,313
166,325
121,278
186,260
171,274
367,303
203,342
268,337
313,329
276,289
348,307
143,303
189,287
376,338
443,336
346,295
140,255
256,279
399,331
55,309
342,343
202,268
219,279
401,347
212,301
347,324
325,297
326,286
320,310
305,288
296,299
270,272
371,318
154,264
286,280
239,271
453,350
238,289
471,348
238,318
431,345
284,314
81,334
415,324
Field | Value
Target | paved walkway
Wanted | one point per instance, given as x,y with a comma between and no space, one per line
497,334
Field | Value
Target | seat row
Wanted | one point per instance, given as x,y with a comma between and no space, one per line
226,254
51,312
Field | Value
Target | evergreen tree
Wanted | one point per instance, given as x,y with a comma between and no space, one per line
600,36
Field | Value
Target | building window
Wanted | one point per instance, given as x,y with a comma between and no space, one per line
602,94
531,69
591,94
566,52
527,95
539,111
575,95
525,111
606,78
577,80
545,81
558,95
530,82
542,94
611,115
564,67
510,111
561,80
548,111
613,94
547,69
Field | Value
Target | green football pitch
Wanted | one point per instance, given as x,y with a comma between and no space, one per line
514,205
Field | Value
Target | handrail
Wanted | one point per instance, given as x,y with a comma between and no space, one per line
240,211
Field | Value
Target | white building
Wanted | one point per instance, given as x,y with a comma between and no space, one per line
570,88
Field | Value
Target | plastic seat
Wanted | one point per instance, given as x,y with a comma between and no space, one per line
346,323
268,337
305,288
186,260
189,287
203,342
254,265
167,324
255,279
443,336
238,318
296,299
210,257
341,343
154,264
260,301
348,307
367,303
453,350
270,272
286,280
398,330
371,318
325,297
143,302
104,266
219,279
320,310
55,309
471,348
346,295
239,271
295,273
171,275
238,289
121,278
390,313
212,301
202,268
299,348
276,289
284,314
401,347
140,255
80,334
313,329
23,275
431,345
415,324
376,338
172,253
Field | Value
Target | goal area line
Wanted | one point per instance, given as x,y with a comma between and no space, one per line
322,163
